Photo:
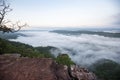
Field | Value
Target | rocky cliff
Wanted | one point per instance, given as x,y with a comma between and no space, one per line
14,67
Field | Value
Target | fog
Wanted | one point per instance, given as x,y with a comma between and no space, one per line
83,49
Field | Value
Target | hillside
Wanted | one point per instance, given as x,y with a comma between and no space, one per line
24,49
26,57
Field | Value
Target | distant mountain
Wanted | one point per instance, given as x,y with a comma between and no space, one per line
79,32
10,35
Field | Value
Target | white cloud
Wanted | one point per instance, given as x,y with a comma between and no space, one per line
83,49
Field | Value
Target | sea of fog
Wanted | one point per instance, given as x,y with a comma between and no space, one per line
83,48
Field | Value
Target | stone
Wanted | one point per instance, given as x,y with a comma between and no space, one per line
24,68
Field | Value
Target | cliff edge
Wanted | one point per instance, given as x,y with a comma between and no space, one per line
14,67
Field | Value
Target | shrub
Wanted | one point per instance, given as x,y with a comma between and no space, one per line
107,70
64,59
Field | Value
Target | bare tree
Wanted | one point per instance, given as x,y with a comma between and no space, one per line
4,9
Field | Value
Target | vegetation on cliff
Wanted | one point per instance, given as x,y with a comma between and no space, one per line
33,52
107,70
64,59
24,49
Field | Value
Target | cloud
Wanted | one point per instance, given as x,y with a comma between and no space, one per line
83,49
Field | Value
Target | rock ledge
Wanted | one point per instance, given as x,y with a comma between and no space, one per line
14,67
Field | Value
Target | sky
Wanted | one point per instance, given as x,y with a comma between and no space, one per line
66,13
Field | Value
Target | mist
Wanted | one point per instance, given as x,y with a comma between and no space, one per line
84,49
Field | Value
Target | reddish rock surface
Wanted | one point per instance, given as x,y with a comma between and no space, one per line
21,68
14,68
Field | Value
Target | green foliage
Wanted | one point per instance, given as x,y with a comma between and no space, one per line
29,51
2,46
46,51
107,70
64,59
24,49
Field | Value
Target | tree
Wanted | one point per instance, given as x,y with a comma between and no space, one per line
107,70
64,59
2,46
4,9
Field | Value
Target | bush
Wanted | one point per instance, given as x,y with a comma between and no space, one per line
24,49
107,70
64,59
2,46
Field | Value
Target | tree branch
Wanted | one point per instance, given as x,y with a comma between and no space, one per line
4,9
